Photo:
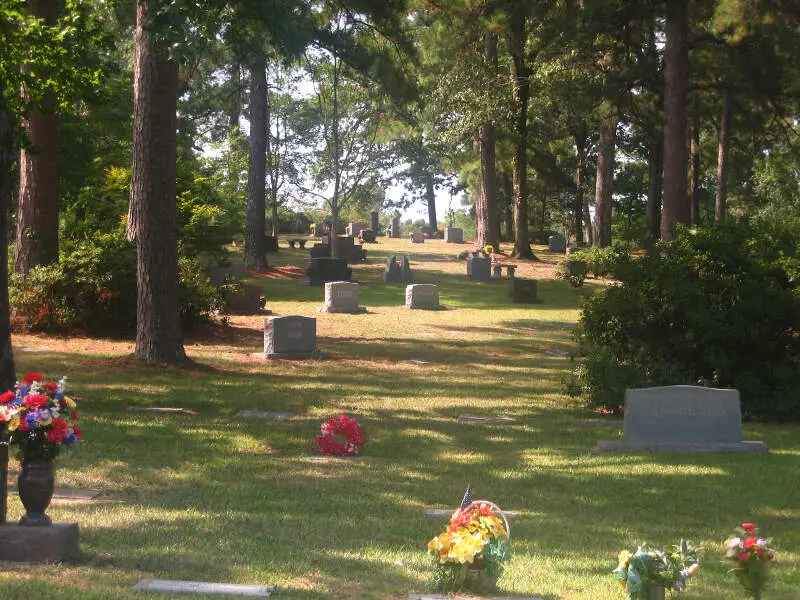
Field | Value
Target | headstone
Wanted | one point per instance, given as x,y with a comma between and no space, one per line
374,223
523,291
426,230
322,270
219,274
682,418
396,227
341,297
290,337
557,243
249,301
270,243
423,295
53,543
417,238
367,236
573,250
201,588
405,270
577,268
453,235
479,269
320,251
353,228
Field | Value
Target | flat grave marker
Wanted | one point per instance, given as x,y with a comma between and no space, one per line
485,419
264,414
174,410
438,513
201,588
470,597
682,418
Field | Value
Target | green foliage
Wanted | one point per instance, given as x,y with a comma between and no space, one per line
572,270
601,262
93,288
714,307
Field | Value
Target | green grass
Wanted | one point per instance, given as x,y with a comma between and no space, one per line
213,498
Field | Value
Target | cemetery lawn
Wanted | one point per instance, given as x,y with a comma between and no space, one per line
217,498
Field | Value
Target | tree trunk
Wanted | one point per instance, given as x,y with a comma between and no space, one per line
655,166
153,218
604,183
508,213
430,199
676,62
254,254
580,145
235,109
487,208
37,213
522,89
721,208
694,167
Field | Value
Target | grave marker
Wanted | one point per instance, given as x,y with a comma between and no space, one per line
341,297
523,291
483,419
417,238
264,414
396,226
453,235
374,223
479,269
682,418
557,243
290,337
202,588
324,269
424,296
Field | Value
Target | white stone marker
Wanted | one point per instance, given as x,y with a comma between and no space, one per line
341,297
167,586
482,419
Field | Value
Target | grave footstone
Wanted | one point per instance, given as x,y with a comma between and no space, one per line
341,297
682,418
523,291
453,235
446,513
557,243
202,588
292,337
423,296
417,238
479,269
324,269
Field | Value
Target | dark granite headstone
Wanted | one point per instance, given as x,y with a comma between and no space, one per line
320,251
290,337
453,235
524,291
479,269
405,270
374,223
51,543
396,227
249,302
367,236
417,238
682,418
324,269
270,243
557,243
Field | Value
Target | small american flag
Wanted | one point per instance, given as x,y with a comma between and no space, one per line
467,497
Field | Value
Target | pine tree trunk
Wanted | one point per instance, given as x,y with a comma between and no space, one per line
694,167
721,208
8,375
487,208
676,61
522,90
235,109
508,214
604,183
580,145
254,253
153,207
430,199
37,213
655,166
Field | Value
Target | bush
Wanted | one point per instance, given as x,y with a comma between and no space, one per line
714,307
602,262
93,288
571,270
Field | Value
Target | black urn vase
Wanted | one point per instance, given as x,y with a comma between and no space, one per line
36,483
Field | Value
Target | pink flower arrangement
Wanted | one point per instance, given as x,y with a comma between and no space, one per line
751,554
346,428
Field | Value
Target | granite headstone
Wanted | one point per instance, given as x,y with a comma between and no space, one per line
557,243
424,296
290,337
417,238
453,235
523,291
479,269
341,297
374,222
324,269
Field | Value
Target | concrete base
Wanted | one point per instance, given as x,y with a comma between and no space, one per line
20,543
294,355
686,448
325,309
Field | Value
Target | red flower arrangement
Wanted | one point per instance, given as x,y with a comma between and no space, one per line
752,554
343,426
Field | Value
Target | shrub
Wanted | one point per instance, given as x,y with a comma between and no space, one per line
572,270
602,262
714,307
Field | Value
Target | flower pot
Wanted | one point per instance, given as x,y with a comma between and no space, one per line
36,483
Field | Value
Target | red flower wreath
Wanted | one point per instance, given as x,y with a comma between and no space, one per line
344,426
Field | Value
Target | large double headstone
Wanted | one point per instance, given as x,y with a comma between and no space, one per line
453,235
324,269
479,269
290,337
682,418
341,297
423,296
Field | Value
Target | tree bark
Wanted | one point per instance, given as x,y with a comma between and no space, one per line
508,213
655,166
37,212
152,212
487,208
254,254
521,91
694,167
721,207
580,146
676,60
604,183
430,199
